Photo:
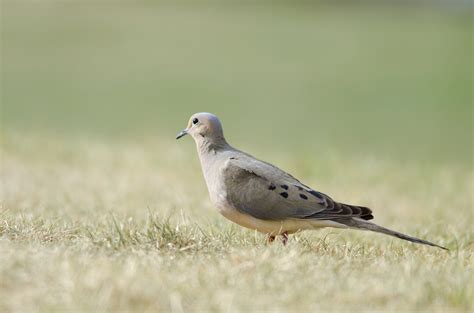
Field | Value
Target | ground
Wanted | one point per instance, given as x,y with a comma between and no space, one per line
118,227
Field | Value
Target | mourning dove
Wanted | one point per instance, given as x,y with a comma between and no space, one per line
262,197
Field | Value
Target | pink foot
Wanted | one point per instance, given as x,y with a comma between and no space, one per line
270,239
285,238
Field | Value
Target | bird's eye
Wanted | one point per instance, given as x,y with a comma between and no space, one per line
195,121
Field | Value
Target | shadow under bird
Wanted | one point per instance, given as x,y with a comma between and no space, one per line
262,197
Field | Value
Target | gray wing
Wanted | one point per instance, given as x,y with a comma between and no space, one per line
266,192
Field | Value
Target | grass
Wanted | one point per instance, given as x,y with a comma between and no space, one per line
101,210
103,226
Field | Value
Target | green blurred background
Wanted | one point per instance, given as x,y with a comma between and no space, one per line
300,77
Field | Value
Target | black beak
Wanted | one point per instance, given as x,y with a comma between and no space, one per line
182,133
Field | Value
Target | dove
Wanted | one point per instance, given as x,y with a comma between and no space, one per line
260,196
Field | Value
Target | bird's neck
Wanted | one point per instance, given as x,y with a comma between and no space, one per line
209,150
208,145
210,153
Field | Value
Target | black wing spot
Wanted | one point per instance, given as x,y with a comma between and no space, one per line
284,187
284,195
302,196
233,158
316,194
272,187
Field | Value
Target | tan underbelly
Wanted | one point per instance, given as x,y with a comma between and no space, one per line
276,227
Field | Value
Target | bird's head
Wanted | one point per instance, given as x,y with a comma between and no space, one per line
203,126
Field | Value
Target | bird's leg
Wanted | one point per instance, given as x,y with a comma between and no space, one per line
285,238
270,239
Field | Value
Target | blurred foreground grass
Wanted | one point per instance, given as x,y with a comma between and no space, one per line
102,211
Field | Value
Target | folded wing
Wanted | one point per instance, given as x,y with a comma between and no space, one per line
266,192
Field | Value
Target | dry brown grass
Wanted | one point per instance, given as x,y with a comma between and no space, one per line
88,225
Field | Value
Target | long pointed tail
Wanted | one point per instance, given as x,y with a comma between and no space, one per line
366,225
